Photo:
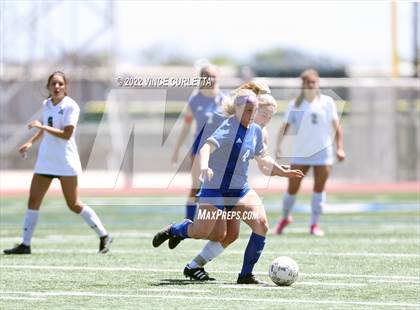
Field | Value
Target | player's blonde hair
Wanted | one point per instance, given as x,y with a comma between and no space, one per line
303,76
266,100
258,87
229,106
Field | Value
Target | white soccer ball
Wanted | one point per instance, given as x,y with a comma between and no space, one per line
283,271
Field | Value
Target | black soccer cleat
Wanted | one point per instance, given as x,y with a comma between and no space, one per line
105,243
197,274
174,241
162,236
18,249
249,279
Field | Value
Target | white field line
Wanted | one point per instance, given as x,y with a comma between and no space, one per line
52,233
71,238
401,255
256,287
20,298
133,269
306,283
174,290
346,275
396,281
338,284
233,252
129,235
218,298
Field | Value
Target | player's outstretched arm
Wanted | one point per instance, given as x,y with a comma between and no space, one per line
268,166
205,151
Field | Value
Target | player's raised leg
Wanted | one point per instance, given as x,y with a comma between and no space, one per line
69,185
199,229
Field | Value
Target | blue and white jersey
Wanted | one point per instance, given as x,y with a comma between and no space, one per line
208,116
235,146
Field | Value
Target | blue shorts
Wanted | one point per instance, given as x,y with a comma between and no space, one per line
221,198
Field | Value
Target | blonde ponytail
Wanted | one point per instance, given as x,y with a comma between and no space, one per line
266,100
228,106
258,87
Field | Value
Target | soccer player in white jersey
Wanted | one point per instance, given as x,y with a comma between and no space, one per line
57,158
312,119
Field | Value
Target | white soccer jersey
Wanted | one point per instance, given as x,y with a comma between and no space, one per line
311,126
58,156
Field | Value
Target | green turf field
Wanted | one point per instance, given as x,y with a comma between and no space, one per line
366,260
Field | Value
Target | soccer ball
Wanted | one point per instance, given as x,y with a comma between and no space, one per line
283,271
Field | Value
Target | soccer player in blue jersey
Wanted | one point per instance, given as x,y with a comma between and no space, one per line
204,106
224,161
267,106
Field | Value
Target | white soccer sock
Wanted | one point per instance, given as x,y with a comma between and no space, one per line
210,251
288,203
93,220
29,223
317,204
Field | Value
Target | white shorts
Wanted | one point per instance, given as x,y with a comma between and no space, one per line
322,158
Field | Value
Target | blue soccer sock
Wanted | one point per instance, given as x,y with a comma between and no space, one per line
190,210
252,253
181,229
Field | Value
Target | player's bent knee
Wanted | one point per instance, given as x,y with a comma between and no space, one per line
76,208
263,226
231,238
218,237
198,234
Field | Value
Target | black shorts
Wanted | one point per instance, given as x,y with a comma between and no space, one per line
50,176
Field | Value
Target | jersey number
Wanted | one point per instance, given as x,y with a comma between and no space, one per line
50,121
209,117
314,118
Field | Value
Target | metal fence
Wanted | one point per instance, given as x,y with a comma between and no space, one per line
380,121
